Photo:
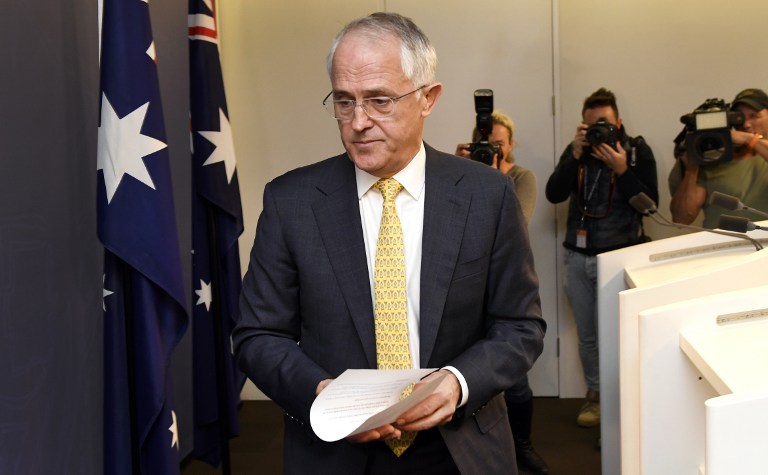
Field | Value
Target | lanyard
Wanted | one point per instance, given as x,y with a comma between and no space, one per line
586,196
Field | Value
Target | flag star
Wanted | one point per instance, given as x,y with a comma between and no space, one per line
104,292
174,429
122,147
151,51
225,148
205,295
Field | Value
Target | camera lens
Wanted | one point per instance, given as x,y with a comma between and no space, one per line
709,147
598,134
483,154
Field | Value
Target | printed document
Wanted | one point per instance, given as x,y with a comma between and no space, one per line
364,399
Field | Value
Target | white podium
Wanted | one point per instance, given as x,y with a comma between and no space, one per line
691,353
643,277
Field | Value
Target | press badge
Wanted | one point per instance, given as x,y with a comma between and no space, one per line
581,238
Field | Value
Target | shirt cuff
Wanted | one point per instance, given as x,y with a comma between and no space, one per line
462,383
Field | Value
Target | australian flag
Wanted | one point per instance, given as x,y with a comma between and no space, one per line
144,316
217,223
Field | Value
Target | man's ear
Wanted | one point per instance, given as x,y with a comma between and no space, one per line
431,95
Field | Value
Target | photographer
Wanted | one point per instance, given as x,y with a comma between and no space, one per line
502,136
745,176
519,398
600,170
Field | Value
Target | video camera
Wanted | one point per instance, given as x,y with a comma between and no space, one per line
483,150
707,136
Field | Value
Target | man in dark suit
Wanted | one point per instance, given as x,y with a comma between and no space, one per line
308,300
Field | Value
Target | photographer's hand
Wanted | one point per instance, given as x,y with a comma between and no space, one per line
740,137
689,198
580,141
748,143
615,159
462,150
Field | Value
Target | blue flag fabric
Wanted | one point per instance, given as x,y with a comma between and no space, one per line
144,316
217,224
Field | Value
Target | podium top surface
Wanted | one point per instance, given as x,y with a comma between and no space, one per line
682,263
732,356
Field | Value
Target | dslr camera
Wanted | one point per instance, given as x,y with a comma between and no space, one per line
483,150
706,136
602,131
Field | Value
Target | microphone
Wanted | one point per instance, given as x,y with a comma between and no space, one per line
644,205
738,224
731,203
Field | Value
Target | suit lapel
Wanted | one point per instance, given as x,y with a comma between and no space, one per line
338,220
445,215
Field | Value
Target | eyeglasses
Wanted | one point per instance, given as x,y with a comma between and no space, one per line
374,107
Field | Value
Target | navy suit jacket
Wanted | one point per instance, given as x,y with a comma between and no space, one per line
307,313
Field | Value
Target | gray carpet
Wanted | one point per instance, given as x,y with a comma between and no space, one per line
567,449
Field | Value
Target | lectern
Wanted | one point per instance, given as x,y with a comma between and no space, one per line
643,277
703,382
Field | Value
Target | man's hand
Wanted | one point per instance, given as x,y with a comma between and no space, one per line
740,137
321,385
580,141
689,198
437,409
462,150
384,432
688,167
615,159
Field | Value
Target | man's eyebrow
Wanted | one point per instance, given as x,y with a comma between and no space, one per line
366,94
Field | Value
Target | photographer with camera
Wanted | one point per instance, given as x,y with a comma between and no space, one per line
501,139
600,170
493,143
741,169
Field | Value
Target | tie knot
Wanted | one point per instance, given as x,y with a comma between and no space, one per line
389,188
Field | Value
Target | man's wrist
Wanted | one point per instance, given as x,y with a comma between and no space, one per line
755,138
462,385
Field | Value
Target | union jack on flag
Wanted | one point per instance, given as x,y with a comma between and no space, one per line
217,222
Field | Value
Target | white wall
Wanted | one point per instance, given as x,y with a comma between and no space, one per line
661,59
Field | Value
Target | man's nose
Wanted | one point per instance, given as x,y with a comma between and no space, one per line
360,119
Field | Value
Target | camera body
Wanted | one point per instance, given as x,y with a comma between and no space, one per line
602,131
483,150
707,136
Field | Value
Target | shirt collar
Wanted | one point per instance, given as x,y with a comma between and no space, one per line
411,177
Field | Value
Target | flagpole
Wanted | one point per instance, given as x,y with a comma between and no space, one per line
131,366
218,321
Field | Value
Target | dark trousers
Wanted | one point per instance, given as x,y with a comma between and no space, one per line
428,455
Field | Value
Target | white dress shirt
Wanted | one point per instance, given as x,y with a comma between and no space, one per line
409,205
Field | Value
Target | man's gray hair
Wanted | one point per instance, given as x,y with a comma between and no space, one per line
417,55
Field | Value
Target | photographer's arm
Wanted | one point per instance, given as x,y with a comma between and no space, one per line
640,177
525,189
756,142
689,198
563,180
761,147
462,150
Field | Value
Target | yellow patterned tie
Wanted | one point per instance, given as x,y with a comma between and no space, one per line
392,348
